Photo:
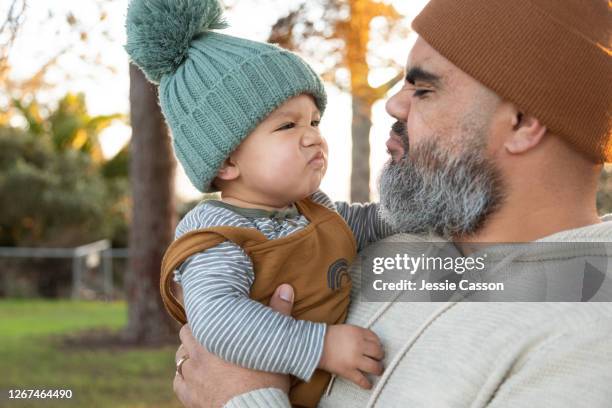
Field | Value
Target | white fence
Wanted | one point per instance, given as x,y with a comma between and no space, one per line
92,255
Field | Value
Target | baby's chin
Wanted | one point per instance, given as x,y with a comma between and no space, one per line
317,183
305,193
294,192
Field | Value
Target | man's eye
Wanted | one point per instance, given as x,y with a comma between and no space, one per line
315,123
287,126
420,92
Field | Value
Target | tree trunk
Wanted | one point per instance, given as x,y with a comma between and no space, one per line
152,169
360,129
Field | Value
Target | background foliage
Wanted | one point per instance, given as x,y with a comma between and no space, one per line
56,189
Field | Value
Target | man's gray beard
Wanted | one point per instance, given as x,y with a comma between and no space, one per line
435,191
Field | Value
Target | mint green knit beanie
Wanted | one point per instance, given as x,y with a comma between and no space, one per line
214,89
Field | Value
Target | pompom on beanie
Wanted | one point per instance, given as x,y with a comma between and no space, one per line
552,58
214,89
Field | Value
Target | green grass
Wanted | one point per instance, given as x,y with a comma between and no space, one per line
32,357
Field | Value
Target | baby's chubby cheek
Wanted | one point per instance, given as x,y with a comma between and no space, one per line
281,170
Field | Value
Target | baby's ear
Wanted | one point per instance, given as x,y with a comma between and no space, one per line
228,171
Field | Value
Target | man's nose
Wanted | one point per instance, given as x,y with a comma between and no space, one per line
398,106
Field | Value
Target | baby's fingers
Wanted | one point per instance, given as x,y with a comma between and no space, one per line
373,350
370,336
368,365
358,378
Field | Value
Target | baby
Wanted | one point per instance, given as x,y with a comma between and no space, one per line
245,122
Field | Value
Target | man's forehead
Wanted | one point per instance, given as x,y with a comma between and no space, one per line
425,57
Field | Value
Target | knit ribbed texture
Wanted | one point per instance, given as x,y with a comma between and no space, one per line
214,89
550,58
263,398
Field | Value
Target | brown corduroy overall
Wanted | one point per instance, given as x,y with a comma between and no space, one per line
313,260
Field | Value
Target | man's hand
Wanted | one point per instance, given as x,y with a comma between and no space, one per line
209,381
351,351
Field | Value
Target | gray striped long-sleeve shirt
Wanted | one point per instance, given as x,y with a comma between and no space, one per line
216,286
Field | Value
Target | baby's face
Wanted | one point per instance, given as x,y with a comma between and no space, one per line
285,157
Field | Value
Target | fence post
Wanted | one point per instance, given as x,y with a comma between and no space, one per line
107,269
76,276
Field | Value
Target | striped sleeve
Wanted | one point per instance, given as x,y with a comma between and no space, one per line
363,219
228,323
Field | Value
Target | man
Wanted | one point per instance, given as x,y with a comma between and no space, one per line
503,125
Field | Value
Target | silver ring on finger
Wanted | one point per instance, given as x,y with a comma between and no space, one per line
179,365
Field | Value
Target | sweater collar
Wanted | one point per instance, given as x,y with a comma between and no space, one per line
601,232
287,213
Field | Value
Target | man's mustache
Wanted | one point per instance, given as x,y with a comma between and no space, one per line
400,129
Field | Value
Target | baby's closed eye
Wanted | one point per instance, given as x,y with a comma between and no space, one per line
286,126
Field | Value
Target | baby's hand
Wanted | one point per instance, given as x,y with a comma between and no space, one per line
350,351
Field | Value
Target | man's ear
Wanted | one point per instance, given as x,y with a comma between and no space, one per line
527,133
229,170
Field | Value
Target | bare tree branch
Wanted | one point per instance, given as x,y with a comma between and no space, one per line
13,22
382,90
13,16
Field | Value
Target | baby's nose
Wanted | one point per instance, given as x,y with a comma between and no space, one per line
312,137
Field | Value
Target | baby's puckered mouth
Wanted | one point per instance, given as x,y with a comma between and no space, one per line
317,158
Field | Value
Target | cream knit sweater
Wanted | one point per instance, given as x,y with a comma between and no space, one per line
480,354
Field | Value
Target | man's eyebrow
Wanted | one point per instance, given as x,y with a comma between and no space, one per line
419,74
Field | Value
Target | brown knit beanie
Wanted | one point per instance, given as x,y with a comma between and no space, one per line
552,58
